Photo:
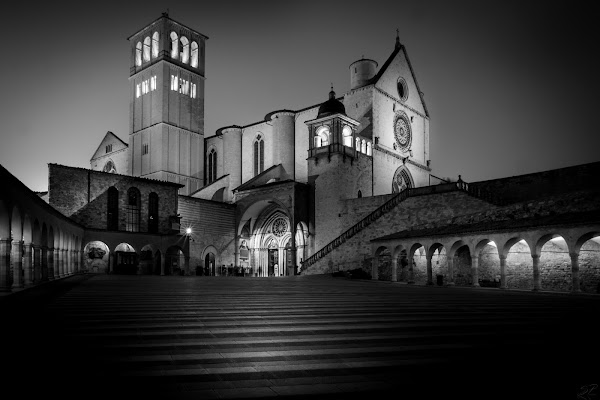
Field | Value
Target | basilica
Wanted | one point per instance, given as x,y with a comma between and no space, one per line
341,185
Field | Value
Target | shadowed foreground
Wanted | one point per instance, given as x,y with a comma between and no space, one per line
200,337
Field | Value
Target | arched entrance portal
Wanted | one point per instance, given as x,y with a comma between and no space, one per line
126,259
174,261
209,264
273,258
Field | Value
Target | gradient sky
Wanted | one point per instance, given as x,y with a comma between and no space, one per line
511,87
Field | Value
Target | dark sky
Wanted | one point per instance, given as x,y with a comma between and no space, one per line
511,87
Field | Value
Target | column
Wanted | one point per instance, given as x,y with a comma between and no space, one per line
44,264
52,269
503,272
28,264
411,273
429,270
57,263
475,270
37,264
536,272
575,272
4,264
394,269
450,261
17,264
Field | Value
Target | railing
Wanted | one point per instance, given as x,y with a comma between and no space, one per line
460,185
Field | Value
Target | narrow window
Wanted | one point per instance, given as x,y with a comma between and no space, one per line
112,209
193,94
174,45
363,147
357,144
359,194
185,50
153,213
194,61
155,45
138,54
212,166
153,83
323,134
347,133
145,149
137,90
108,148
259,155
133,210
147,48
369,152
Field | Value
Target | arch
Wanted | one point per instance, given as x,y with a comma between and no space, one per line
155,44
96,256
347,135
588,259
259,155
369,149
519,264
210,261
174,45
194,56
27,230
402,180
110,167
359,195
185,50
363,146
138,54
147,259
212,166
153,208
322,136
219,195
146,52
133,210
112,209
554,263
126,259
358,142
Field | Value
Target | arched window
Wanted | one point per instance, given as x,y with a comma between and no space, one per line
363,147
359,194
357,144
133,210
369,151
138,54
347,133
112,209
194,61
212,166
259,155
402,180
147,48
323,134
174,45
155,45
185,50
153,213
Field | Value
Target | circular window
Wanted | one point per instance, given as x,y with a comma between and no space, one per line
402,133
402,89
279,227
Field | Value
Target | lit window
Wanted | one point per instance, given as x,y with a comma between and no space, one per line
323,134
369,152
357,144
137,90
147,48
259,155
193,93
185,50
174,83
363,147
347,133
174,45
194,62
184,86
138,54
153,83
155,45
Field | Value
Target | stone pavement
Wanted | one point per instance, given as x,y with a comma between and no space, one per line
298,337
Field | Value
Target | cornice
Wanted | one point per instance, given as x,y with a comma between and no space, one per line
397,101
399,157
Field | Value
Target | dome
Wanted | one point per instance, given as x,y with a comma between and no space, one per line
331,106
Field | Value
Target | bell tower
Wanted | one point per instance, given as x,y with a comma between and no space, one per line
166,107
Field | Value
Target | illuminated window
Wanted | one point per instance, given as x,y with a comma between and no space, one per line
155,45
259,155
174,45
193,92
369,152
112,209
363,147
322,136
133,210
174,83
347,133
212,166
185,50
194,62
147,48
184,86
153,83
357,144
138,54
153,213
137,90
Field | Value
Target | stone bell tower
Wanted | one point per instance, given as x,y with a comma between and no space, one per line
166,108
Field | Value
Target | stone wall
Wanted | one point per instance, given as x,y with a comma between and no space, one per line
82,195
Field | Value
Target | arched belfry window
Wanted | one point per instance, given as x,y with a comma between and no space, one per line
357,144
347,133
174,45
138,54
259,155
147,48
363,146
322,136
133,210
194,61
212,166
112,209
155,45
185,50
369,149
153,213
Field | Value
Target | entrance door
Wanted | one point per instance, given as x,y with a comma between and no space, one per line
273,259
209,264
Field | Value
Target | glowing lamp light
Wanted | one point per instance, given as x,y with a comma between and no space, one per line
188,231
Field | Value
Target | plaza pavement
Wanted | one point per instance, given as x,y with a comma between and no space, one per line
171,337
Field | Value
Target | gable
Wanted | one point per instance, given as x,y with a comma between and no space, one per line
109,139
398,67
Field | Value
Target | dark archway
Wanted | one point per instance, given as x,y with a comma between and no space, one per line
209,264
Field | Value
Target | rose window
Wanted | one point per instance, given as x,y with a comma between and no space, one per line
402,133
279,227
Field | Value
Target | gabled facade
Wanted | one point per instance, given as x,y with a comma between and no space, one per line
111,155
